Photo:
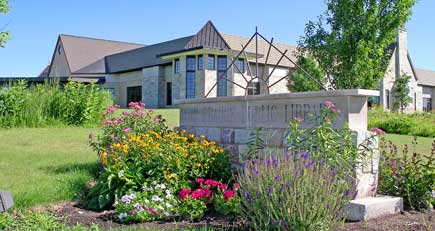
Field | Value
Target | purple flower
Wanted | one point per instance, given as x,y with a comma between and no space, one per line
287,156
152,211
328,206
322,161
304,155
287,185
132,212
270,190
282,222
347,193
277,179
248,197
272,222
309,164
281,189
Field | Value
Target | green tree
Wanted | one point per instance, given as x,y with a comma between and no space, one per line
299,81
401,98
350,39
4,35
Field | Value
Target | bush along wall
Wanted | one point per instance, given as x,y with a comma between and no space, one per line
417,124
52,104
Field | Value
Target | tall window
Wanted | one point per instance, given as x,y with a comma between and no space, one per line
210,62
387,97
427,104
200,62
221,74
415,101
190,77
177,66
241,65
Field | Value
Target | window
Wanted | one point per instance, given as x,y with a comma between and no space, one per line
254,88
59,49
241,65
415,101
210,62
221,76
200,62
427,104
168,93
387,97
373,100
177,66
190,77
134,94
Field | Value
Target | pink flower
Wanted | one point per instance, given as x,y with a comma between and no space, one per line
228,194
125,113
299,119
200,180
151,110
184,193
334,110
201,193
152,211
126,130
223,186
235,186
138,113
107,122
212,183
329,104
378,131
117,106
132,212
110,110
91,136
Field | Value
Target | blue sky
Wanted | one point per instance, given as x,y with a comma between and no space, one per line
35,25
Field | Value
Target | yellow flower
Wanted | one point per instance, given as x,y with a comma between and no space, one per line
198,165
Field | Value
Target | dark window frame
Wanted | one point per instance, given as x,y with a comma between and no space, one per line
254,90
213,66
427,104
387,99
222,84
176,66
200,62
241,65
190,73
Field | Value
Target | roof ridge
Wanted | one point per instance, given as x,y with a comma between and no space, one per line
424,69
100,39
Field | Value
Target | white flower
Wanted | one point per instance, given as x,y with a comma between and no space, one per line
156,198
168,205
116,203
167,214
168,196
136,205
167,192
160,207
162,186
154,183
147,201
122,216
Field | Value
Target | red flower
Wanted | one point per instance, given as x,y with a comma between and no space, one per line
212,183
200,180
228,194
235,186
184,193
201,193
223,186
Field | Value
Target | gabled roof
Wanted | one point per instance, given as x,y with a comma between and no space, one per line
425,77
236,42
144,57
44,73
86,55
208,37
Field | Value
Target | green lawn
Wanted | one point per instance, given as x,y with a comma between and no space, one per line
424,144
43,165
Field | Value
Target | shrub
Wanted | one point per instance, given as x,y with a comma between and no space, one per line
155,202
418,124
145,152
51,104
411,176
286,194
210,194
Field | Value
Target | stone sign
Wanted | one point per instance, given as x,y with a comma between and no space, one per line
6,201
230,120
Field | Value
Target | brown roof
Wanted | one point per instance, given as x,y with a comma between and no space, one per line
208,37
44,73
425,77
86,55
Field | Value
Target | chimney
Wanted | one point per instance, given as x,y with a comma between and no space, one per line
402,51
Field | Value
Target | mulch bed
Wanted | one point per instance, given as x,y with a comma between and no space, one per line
404,221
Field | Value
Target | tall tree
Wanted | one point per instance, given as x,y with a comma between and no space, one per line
401,98
350,39
299,81
4,35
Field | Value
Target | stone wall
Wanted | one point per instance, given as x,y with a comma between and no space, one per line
230,120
